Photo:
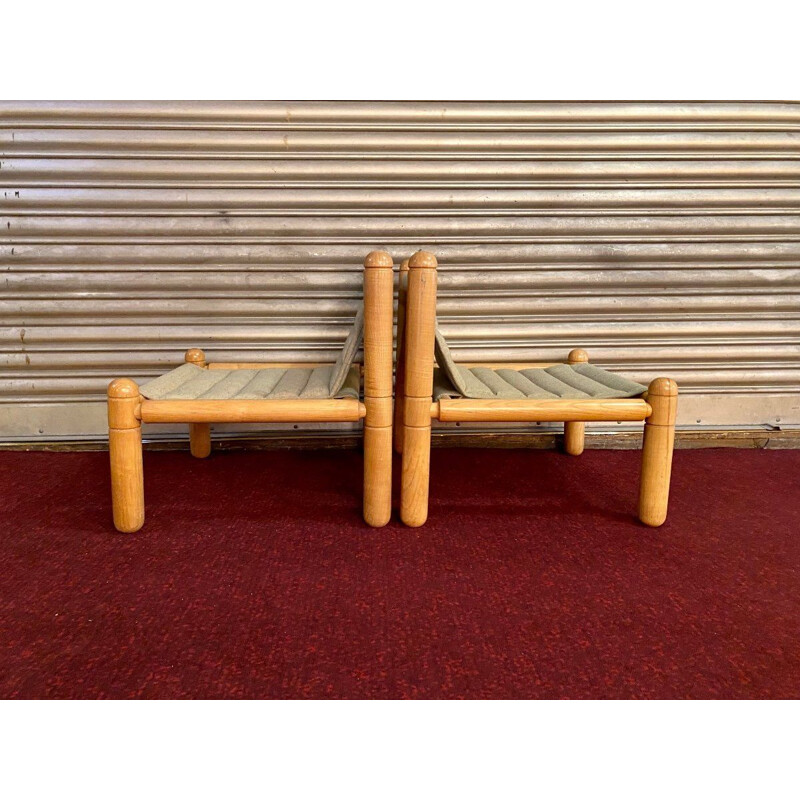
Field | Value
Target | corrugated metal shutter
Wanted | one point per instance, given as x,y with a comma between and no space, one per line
662,237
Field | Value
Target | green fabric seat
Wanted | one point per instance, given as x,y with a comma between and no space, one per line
339,380
565,381
190,382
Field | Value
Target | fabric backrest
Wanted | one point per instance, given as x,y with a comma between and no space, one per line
348,353
444,358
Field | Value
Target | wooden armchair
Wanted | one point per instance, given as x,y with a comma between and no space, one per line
573,393
199,393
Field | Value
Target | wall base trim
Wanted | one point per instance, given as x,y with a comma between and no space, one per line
750,438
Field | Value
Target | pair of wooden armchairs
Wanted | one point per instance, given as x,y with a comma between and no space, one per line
199,393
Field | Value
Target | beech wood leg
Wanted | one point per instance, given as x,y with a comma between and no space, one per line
575,432
125,450
659,439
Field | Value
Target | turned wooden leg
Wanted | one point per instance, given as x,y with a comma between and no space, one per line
200,439
415,477
199,432
418,358
659,438
574,432
378,346
400,367
125,449
377,476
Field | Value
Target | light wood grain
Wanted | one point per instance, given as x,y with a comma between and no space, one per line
530,410
418,388
344,410
195,356
125,454
377,476
575,432
400,367
415,476
378,346
659,441
199,432
200,439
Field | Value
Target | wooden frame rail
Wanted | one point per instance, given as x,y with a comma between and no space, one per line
529,410
344,410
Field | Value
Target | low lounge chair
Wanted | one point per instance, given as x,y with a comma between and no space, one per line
199,393
574,393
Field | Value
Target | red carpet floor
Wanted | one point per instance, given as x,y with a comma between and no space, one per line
255,577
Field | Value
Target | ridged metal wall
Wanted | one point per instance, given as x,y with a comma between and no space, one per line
662,237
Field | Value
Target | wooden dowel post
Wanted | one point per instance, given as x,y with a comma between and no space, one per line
575,432
378,347
659,439
419,338
400,368
125,450
199,432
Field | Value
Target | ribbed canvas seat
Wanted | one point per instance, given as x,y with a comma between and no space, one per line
339,380
190,382
566,381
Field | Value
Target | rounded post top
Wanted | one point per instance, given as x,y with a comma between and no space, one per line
423,260
378,259
577,356
663,387
404,265
195,356
123,387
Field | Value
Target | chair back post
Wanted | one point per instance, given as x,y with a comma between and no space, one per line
378,347
400,368
420,326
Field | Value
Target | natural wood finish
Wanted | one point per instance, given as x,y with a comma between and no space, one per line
418,386
195,356
577,356
199,432
400,363
124,408
378,412
378,346
200,439
415,476
574,437
575,432
659,440
344,410
125,452
377,476
419,411
530,410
